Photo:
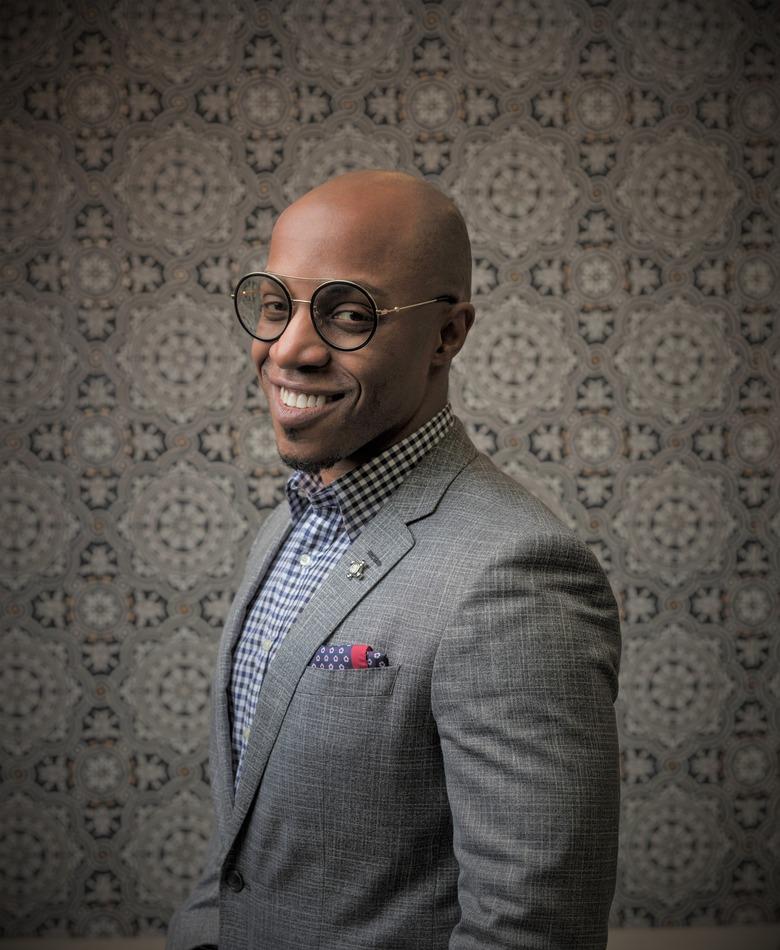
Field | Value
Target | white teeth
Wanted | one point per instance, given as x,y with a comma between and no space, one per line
301,400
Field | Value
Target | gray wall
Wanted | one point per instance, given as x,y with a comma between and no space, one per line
618,165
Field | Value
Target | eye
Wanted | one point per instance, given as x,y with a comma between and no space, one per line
349,313
347,319
274,308
341,311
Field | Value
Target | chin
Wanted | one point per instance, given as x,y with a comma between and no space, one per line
297,451
298,458
310,466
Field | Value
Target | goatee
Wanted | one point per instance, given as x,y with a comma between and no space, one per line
309,466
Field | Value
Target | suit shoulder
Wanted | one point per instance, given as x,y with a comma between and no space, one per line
485,498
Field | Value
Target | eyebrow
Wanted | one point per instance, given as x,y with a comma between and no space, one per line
322,280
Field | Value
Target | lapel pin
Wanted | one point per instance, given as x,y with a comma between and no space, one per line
355,570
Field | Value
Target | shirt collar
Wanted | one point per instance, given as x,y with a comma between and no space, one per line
358,495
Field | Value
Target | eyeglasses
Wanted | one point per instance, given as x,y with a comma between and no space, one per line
344,314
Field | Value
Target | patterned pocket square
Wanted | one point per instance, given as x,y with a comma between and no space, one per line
347,656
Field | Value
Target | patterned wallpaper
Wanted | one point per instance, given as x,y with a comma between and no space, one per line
619,168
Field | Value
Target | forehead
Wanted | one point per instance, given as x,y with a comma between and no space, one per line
312,282
315,238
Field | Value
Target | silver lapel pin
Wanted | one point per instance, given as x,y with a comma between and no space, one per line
355,570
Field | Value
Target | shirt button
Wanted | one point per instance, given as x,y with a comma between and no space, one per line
246,732
304,560
266,645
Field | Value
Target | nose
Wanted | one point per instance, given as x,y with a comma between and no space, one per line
300,345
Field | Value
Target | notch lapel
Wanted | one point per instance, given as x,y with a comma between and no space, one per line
337,596
387,536
271,535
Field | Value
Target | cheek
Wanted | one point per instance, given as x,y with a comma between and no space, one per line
394,381
371,372
258,352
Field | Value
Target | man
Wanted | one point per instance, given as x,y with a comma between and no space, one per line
461,788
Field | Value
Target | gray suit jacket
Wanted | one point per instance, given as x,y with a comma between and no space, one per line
465,796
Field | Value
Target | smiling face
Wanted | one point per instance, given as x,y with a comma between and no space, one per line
334,410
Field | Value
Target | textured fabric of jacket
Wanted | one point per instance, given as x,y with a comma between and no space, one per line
463,797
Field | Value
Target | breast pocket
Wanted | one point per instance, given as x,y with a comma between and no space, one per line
368,683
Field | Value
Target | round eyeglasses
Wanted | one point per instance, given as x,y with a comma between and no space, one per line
344,314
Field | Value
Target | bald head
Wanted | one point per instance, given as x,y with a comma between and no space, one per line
384,221
406,244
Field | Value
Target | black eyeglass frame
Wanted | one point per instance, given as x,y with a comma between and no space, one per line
326,282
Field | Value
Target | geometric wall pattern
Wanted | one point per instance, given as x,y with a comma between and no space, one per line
619,167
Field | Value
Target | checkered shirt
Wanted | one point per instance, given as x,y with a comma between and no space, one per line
326,519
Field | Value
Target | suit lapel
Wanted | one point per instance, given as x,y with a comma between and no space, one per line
272,533
389,539
337,596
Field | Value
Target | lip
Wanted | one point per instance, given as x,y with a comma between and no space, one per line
292,415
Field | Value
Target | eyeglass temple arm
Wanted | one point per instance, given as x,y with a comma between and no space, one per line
444,298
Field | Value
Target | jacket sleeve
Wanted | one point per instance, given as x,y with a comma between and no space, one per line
196,922
523,690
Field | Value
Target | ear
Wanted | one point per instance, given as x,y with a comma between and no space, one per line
453,332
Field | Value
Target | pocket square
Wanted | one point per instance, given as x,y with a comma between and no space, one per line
348,656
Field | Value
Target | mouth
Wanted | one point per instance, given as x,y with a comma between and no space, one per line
294,399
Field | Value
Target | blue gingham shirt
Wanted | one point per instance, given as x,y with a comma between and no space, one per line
326,519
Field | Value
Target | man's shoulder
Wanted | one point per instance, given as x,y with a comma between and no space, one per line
487,497
488,518
464,487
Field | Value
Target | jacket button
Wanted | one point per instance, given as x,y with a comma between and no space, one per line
234,880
